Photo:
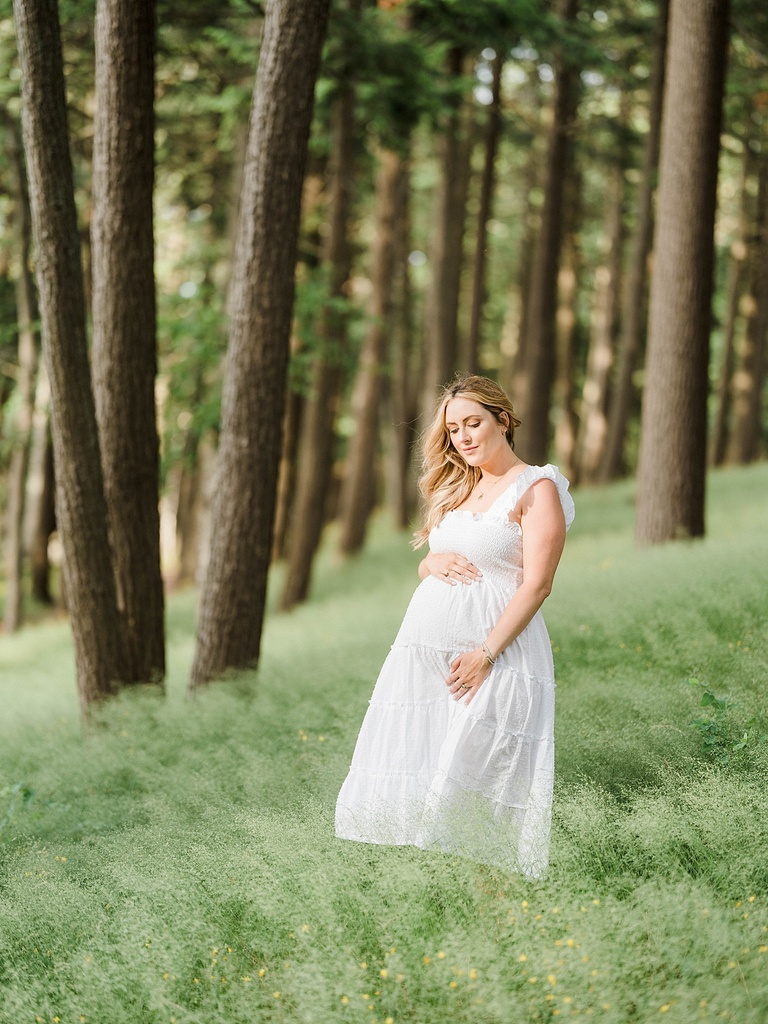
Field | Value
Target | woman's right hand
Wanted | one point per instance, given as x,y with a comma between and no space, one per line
449,568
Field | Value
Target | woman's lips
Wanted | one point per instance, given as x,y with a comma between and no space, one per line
469,451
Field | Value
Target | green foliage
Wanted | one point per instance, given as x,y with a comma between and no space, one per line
178,862
721,737
192,329
314,301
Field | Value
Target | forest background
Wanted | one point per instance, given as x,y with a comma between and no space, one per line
476,191
241,246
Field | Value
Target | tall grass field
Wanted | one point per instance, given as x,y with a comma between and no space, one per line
176,864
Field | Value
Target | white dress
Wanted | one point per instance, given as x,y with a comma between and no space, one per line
436,773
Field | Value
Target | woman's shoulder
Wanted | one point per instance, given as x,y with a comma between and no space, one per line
532,474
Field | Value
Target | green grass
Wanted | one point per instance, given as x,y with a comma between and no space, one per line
178,863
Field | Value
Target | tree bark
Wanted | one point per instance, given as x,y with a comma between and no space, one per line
538,363
408,363
359,481
286,477
673,442
516,322
487,186
253,400
124,356
633,302
26,317
567,327
44,521
746,434
446,250
593,430
318,429
733,291
310,255
193,508
81,508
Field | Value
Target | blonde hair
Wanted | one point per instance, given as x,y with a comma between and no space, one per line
446,479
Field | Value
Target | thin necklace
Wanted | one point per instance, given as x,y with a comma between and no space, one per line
498,480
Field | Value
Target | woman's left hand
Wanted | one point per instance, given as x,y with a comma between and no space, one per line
468,672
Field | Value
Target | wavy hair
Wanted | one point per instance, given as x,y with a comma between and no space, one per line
446,479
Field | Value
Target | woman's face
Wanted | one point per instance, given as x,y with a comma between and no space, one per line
475,433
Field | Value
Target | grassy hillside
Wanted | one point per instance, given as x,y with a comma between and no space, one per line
177,865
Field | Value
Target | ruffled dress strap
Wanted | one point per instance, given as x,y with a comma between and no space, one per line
508,498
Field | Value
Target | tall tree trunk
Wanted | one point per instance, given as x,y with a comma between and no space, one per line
567,327
286,477
44,517
538,364
673,441
310,254
81,508
261,305
633,302
359,481
124,320
446,250
746,435
487,186
26,317
408,362
318,429
733,290
515,331
193,507
594,405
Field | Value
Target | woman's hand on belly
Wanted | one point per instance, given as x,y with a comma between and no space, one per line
448,567
468,673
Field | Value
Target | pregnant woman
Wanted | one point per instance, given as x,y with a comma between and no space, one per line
456,750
